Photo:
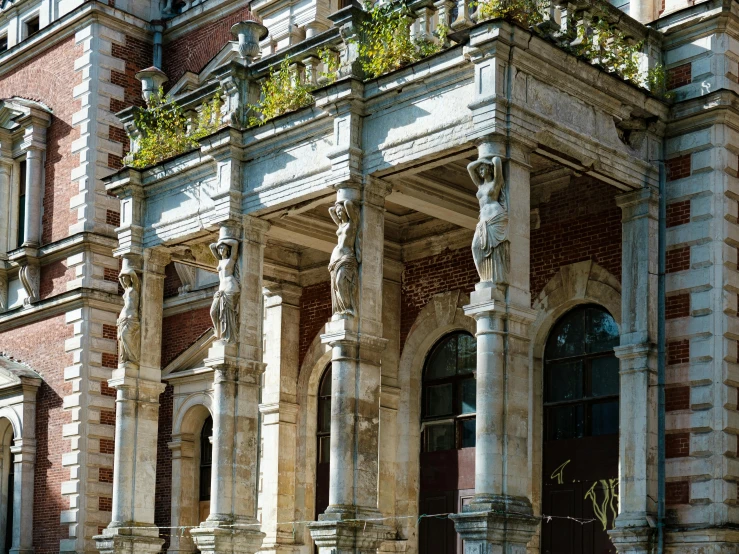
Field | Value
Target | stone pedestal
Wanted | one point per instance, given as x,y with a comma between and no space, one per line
129,541
497,527
349,537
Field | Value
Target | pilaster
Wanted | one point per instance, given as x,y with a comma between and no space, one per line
637,355
279,411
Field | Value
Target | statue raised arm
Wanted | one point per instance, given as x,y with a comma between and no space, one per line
490,246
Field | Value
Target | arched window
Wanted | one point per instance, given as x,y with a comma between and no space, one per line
206,459
323,442
449,394
447,439
581,421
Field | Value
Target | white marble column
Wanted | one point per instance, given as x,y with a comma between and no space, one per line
185,493
24,451
137,381
236,358
34,197
279,410
637,355
500,518
6,205
356,337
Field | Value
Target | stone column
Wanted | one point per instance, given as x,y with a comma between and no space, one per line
500,518
637,354
6,205
236,358
24,451
137,381
185,495
355,336
279,410
34,197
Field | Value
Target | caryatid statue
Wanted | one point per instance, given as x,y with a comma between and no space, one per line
490,246
129,322
225,308
345,259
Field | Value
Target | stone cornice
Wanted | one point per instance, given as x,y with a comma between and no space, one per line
58,305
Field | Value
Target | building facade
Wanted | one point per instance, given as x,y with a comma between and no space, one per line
485,302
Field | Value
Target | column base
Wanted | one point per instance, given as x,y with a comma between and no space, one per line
128,540
334,534
210,538
28,550
633,539
496,525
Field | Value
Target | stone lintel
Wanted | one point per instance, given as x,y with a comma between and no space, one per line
343,331
212,539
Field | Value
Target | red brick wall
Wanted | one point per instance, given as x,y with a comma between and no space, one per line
193,51
679,76
678,213
54,279
677,305
422,279
677,445
677,492
679,167
315,311
678,352
677,259
172,281
677,398
163,502
180,331
41,346
581,222
51,78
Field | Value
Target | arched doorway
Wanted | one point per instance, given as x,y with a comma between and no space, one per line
323,442
581,420
447,439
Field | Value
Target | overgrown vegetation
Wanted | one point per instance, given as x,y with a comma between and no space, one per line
282,92
526,13
166,131
384,43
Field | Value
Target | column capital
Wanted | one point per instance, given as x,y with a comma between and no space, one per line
639,203
155,261
132,388
228,367
375,191
279,412
254,229
279,294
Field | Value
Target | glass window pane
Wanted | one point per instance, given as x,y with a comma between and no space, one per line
565,422
440,437
439,400
567,337
324,415
469,393
467,354
326,383
604,376
602,332
564,382
604,418
443,360
468,433
324,449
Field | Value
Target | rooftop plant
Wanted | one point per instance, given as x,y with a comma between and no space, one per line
165,130
282,92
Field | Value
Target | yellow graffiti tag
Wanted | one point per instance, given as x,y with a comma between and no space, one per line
610,500
558,473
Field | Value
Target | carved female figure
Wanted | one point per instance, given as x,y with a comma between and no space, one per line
345,259
490,244
129,324
225,308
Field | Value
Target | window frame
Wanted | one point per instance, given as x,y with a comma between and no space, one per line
206,445
587,400
456,417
